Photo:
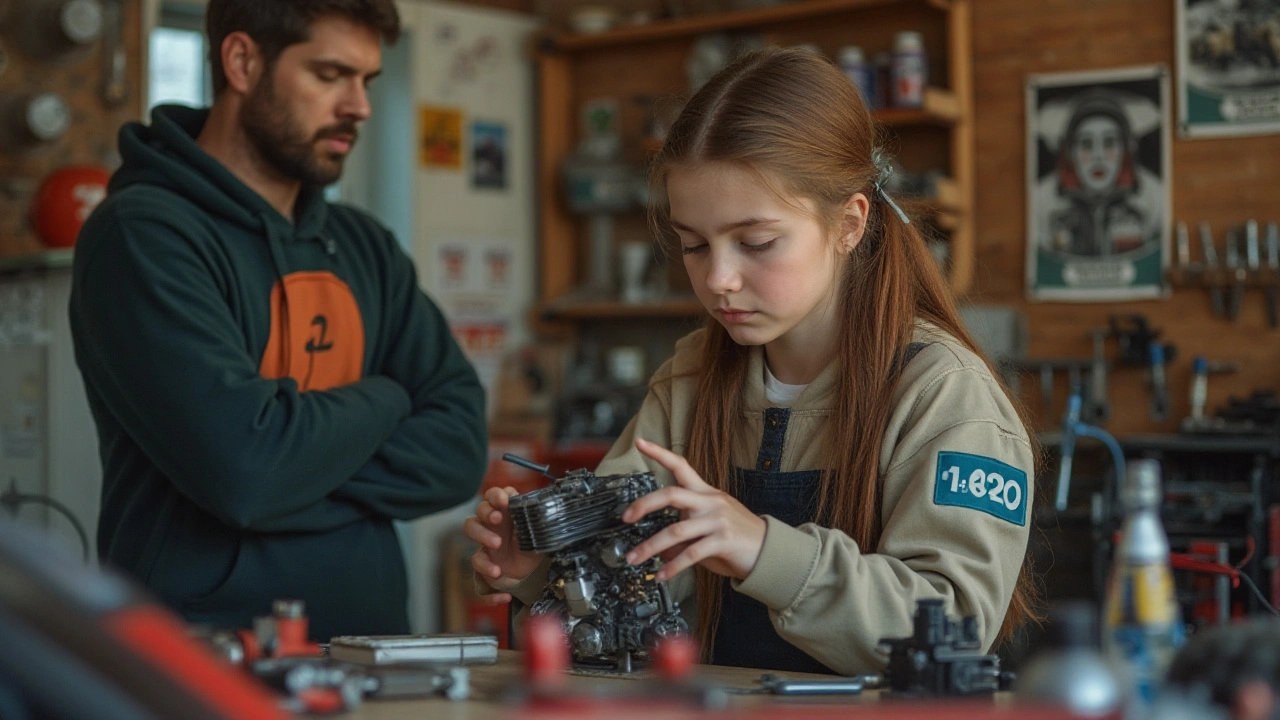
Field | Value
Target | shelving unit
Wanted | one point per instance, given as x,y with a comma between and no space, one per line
649,61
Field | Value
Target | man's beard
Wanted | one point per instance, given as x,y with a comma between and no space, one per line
281,141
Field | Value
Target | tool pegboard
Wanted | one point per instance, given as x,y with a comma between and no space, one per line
70,75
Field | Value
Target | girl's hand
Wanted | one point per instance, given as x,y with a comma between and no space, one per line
499,560
714,528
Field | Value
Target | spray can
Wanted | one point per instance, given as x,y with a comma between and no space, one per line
910,71
854,65
1143,626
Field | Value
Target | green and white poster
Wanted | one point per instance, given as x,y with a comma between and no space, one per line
1098,184
1228,67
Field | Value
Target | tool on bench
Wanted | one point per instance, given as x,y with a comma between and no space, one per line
1235,265
775,685
1159,385
1138,348
1252,250
1273,279
942,658
1197,421
1098,409
283,633
1211,268
1076,369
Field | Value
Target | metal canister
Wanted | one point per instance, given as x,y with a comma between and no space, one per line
910,70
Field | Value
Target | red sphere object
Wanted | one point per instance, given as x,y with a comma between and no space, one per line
675,656
64,200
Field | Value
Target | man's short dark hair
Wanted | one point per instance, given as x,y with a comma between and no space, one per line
276,24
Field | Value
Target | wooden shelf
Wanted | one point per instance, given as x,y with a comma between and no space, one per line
716,22
571,308
940,107
649,61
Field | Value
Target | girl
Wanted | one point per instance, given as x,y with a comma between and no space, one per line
835,442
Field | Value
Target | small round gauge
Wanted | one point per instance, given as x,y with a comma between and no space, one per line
47,116
80,20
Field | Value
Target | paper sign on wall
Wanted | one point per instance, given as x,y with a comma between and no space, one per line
440,137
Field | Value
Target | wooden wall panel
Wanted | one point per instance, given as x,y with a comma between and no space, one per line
92,137
1223,182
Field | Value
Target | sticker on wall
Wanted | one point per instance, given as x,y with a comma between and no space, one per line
1228,68
497,268
1098,182
488,154
440,137
452,267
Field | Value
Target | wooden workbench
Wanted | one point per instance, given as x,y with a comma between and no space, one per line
495,687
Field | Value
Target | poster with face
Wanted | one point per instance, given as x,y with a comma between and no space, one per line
1098,185
1228,67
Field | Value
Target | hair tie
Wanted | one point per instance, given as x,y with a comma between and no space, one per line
884,170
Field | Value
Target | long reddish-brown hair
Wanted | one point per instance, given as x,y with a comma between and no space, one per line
792,116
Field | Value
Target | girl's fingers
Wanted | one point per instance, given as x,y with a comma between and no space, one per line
488,514
670,553
481,563
476,531
680,468
692,555
500,598
497,497
683,532
670,496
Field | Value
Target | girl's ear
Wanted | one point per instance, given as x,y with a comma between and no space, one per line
853,221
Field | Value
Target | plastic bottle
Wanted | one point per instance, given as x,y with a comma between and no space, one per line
910,71
854,64
1142,624
1071,672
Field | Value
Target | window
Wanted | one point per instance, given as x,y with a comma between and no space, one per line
179,71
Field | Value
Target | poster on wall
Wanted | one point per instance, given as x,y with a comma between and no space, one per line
1098,184
488,154
439,137
1228,67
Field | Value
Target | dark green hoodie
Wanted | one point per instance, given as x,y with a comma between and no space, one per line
269,395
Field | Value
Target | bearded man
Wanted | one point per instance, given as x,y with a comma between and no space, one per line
270,386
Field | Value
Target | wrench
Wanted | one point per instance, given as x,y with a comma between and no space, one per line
1211,267
1098,409
1238,274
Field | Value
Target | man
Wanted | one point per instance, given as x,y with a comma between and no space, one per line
271,388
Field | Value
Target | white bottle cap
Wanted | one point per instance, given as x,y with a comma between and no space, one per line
851,55
1142,484
908,41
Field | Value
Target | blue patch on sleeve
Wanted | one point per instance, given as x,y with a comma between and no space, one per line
981,483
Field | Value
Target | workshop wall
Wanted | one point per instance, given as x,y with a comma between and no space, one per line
1221,181
78,77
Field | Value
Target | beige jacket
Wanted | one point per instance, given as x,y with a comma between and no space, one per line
954,530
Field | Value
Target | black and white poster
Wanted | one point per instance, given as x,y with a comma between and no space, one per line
1228,67
1098,184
